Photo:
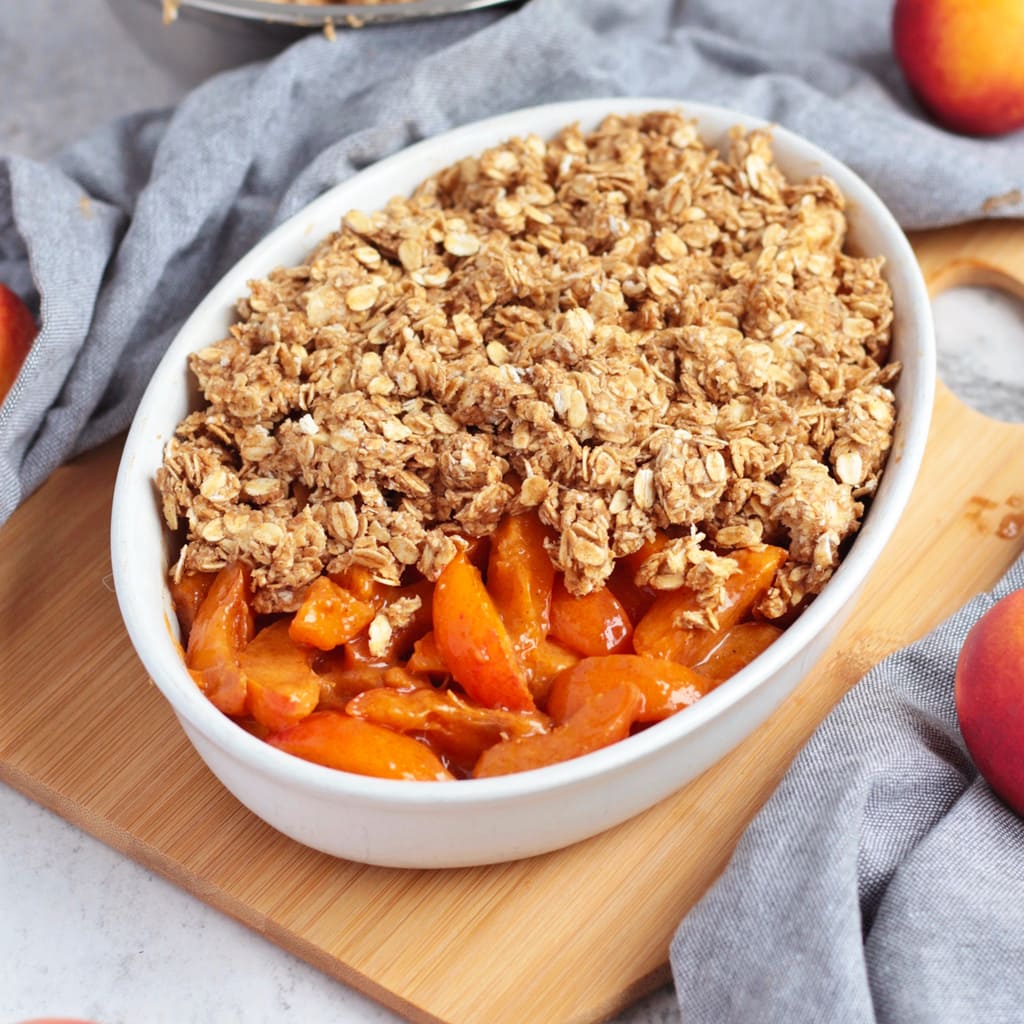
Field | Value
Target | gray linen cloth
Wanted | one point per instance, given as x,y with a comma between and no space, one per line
883,881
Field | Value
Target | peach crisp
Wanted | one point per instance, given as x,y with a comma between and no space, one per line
533,458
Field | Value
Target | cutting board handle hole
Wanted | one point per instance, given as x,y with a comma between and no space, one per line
979,329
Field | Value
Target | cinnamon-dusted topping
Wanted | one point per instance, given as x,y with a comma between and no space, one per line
624,330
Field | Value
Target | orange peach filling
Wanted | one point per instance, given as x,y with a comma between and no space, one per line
495,668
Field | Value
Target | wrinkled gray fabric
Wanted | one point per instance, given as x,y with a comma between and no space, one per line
883,881
117,239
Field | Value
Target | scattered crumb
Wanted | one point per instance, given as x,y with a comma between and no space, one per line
994,203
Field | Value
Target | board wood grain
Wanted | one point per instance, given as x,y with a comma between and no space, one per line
566,938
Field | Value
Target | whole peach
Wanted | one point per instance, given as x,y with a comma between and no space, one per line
964,59
17,330
989,695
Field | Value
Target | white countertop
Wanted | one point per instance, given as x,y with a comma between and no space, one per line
84,931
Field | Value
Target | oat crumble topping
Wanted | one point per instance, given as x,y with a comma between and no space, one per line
623,329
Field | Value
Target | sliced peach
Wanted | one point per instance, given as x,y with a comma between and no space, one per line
420,623
635,600
477,549
634,561
520,577
339,684
474,642
738,647
188,594
592,625
402,679
400,641
622,583
665,687
604,720
661,632
352,745
223,626
453,724
425,709
329,616
547,661
426,658
359,582
282,686
459,730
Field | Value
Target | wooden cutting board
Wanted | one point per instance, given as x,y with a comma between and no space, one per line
571,936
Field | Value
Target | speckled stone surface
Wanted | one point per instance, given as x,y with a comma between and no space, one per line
87,932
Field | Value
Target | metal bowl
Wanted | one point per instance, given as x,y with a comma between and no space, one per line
343,15
208,36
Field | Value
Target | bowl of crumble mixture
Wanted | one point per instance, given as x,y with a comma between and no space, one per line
199,38
628,319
